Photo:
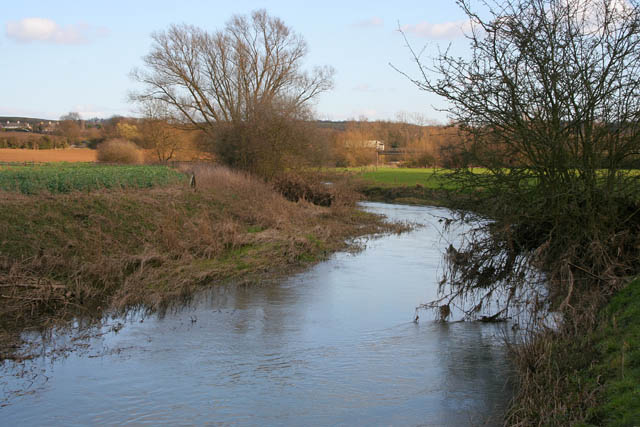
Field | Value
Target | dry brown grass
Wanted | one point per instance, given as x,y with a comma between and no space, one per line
63,255
46,156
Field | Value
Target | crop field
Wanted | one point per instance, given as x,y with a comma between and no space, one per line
67,177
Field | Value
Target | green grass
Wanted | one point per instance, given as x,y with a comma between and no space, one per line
617,343
416,186
390,177
67,177
398,177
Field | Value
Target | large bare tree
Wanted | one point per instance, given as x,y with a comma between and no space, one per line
549,102
233,80
554,84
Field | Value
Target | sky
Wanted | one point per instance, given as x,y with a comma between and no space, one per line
62,56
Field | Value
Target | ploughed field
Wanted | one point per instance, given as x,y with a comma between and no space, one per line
53,155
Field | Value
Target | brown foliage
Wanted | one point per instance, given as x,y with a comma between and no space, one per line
119,151
161,138
416,145
243,86
31,140
295,187
69,129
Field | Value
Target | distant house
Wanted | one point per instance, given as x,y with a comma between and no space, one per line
373,143
17,126
47,127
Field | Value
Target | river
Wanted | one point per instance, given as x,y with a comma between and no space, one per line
333,345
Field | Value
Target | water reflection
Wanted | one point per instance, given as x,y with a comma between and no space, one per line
335,345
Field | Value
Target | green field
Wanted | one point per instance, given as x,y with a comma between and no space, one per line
67,177
431,178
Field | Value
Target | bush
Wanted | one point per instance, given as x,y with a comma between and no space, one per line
119,151
294,187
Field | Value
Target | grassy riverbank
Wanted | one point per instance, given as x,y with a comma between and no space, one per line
588,376
392,177
616,365
87,252
587,373
411,186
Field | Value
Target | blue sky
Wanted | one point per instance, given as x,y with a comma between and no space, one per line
60,56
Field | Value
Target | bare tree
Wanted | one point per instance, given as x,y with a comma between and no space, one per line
227,82
549,102
69,127
157,132
553,83
71,116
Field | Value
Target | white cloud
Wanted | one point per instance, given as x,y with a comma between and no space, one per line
46,30
444,30
370,23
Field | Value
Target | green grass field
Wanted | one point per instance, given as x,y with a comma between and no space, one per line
431,178
67,177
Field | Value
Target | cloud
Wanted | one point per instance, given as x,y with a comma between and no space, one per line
370,23
46,30
443,31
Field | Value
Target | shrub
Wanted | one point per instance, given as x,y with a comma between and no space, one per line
119,151
295,187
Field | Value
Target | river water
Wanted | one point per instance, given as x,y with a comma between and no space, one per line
333,345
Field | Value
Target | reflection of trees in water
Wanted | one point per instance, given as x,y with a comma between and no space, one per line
29,371
476,368
269,309
248,308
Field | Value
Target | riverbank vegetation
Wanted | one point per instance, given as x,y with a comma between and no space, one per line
589,378
548,104
84,253
414,186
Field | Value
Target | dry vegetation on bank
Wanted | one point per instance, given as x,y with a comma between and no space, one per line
82,253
